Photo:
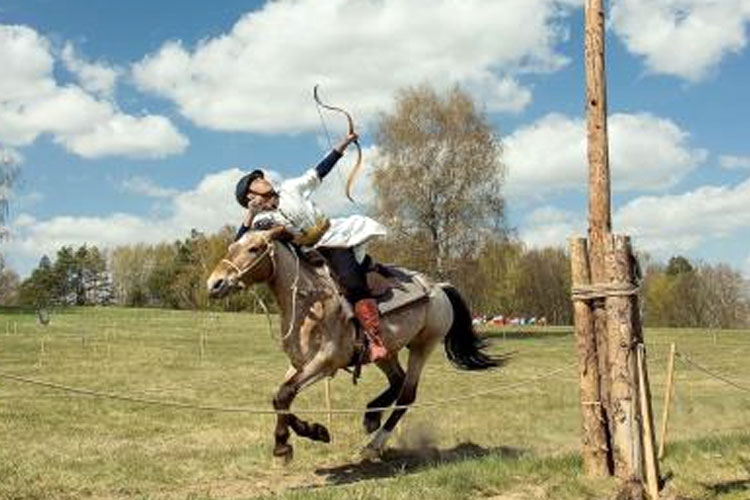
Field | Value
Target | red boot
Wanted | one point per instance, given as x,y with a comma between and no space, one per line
368,315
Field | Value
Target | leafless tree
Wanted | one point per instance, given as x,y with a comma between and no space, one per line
438,185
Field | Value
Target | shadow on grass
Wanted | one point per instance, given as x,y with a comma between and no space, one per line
400,461
728,487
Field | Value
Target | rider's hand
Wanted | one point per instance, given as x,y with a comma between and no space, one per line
350,138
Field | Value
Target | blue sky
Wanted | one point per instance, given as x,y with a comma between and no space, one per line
131,121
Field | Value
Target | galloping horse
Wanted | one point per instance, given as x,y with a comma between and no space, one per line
319,338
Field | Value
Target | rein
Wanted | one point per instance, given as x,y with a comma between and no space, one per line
241,272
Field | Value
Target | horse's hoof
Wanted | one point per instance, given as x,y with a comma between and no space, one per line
284,453
371,422
320,433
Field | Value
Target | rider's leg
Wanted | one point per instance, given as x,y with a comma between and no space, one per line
351,275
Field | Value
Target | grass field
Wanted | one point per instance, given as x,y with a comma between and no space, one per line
514,443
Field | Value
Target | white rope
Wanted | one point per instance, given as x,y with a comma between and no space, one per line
268,411
604,290
684,357
292,318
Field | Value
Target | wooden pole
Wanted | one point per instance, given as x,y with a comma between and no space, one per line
329,417
201,347
649,452
596,460
667,400
600,219
622,337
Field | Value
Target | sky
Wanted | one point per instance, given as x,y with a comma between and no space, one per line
132,121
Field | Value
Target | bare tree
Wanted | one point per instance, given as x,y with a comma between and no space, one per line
439,184
8,175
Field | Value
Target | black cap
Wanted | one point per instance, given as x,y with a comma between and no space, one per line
240,192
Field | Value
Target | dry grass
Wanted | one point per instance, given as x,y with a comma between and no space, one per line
511,444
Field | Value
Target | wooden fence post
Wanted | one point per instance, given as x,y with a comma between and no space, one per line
667,400
596,460
328,402
647,419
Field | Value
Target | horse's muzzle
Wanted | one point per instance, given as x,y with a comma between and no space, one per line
218,288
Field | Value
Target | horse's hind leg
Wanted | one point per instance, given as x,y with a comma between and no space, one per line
417,359
392,369
309,374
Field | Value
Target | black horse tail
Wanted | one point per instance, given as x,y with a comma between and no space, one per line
463,346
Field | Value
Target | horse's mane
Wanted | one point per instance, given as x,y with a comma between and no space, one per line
314,263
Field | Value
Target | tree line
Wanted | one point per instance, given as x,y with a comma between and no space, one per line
502,277
167,275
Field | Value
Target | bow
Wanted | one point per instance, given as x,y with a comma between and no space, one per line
358,164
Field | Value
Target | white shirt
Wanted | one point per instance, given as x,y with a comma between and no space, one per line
297,211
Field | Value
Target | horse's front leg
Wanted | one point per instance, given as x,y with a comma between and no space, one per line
295,381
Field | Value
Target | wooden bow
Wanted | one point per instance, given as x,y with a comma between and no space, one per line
358,165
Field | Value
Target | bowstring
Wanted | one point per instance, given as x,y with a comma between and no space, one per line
342,182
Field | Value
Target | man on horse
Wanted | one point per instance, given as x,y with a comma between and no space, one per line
340,240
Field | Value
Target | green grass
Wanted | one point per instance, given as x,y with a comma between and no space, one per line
514,444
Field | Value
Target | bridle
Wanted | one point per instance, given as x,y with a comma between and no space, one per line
242,272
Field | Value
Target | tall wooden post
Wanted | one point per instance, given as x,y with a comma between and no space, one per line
600,219
606,311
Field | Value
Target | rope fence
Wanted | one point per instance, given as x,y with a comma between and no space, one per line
689,361
269,411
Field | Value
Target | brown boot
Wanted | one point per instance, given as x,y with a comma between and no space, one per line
368,315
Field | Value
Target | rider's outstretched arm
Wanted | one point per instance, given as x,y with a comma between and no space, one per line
334,156
327,163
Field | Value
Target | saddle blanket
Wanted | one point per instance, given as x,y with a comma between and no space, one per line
395,287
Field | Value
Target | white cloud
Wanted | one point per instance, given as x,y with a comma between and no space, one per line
685,38
731,162
259,75
125,135
144,186
646,153
551,227
207,207
680,223
33,103
97,78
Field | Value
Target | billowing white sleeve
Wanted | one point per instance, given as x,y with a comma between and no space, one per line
305,184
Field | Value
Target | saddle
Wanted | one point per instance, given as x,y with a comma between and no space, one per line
392,287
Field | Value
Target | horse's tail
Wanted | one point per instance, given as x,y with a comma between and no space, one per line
463,346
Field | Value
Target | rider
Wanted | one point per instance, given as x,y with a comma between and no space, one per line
339,240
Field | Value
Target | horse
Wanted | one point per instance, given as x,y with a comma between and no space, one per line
319,333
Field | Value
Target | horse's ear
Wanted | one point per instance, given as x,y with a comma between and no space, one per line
280,233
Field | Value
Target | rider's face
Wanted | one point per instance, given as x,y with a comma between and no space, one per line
261,195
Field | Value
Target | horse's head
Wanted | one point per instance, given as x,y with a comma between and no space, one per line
248,260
